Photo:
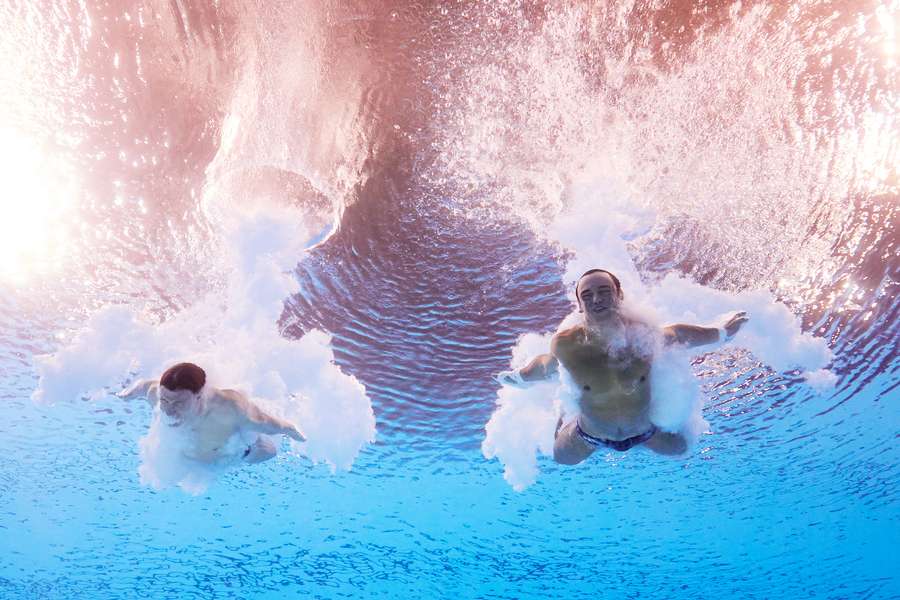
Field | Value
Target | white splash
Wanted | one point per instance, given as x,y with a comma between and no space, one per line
165,457
821,380
232,333
525,419
595,227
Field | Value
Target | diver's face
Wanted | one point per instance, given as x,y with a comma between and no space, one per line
597,296
177,403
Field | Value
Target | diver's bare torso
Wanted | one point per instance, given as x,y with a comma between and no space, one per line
608,356
211,427
615,395
614,390
211,421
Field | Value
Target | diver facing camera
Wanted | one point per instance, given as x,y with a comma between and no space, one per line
609,356
211,418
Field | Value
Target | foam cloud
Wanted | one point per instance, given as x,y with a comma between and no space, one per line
232,333
594,229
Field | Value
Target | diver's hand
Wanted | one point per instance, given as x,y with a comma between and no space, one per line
138,389
512,378
733,325
295,434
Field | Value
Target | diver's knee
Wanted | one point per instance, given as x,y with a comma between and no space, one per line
668,444
673,452
266,447
262,450
565,450
563,457
678,445
564,460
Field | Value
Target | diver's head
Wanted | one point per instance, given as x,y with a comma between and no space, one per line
180,387
599,295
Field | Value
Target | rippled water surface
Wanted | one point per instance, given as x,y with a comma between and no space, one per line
432,144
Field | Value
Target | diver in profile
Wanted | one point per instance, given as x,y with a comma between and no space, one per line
609,357
211,416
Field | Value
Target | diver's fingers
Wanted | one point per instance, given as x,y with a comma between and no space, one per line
136,389
739,317
297,435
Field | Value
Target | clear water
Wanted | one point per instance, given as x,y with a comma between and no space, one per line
438,140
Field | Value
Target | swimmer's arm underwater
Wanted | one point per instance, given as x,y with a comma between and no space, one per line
690,335
696,335
143,388
542,367
256,419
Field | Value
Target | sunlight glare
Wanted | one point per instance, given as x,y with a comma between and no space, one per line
37,199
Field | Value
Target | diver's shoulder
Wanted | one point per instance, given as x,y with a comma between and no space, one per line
567,337
640,325
572,333
228,398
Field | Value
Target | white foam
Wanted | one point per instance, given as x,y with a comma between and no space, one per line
676,404
232,333
524,422
521,427
821,380
595,227
166,461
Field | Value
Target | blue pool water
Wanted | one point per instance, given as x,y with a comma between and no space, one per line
744,146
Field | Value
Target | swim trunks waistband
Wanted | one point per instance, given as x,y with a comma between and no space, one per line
620,445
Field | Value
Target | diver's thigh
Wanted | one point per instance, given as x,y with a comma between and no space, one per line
568,447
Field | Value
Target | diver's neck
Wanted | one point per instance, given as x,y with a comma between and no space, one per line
197,408
201,402
605,329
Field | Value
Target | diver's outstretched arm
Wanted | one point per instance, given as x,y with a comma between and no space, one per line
544,366
259,420
696,335
140,389
690,335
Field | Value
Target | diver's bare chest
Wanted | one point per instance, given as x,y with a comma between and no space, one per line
598,374
212,431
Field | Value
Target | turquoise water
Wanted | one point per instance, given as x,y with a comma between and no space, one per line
432,146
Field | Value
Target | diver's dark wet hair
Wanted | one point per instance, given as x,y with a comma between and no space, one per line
614,278
183,376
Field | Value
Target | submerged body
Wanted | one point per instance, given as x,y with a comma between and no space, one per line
614,393
614,389
609,358
211,419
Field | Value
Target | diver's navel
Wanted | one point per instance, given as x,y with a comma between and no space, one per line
587,388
